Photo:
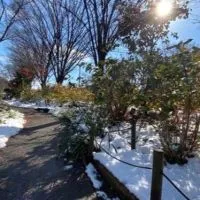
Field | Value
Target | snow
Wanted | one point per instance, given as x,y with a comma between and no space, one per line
54,109
97,184
103,195
35,85
68,167
137,180
20,104
92,174
10,125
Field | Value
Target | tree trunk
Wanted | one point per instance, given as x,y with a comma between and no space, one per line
43,85
60,79
101,63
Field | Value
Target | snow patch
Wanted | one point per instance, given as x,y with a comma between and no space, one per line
104,196
68,167
137,180
10,126
34,105
92,174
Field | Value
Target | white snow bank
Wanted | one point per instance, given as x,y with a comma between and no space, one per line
104,196
53,108
92,174
38,104
137,180
97,184
68,167
10,126
20,104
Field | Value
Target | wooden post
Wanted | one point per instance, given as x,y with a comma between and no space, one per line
132,116
156,183
133,134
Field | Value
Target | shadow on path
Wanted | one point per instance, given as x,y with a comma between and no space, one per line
30,170
31,129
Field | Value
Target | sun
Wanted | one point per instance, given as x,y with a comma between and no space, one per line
164,8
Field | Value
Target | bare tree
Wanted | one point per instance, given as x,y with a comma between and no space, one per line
101,21
9,13
70,46
20,57
35,34
53,38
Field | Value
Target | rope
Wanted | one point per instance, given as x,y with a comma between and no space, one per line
138,166
143,167
171,182
122,161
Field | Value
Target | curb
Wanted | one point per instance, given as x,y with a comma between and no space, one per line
111,180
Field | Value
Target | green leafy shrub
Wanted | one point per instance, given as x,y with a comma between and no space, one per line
31,95
23,77
178,96
115,89
11,113
5,113
1,95
2,121
81,127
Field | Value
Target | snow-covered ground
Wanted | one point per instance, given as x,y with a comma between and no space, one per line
11,122
53,108
137,180
97,184
92,174
18,103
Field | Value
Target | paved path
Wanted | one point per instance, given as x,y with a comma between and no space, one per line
29,169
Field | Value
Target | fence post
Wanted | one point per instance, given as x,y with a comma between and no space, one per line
156,183
133,134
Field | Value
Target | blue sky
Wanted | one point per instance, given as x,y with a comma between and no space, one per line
3,51
188,28
185,28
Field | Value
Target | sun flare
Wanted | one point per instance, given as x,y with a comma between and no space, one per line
164,8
